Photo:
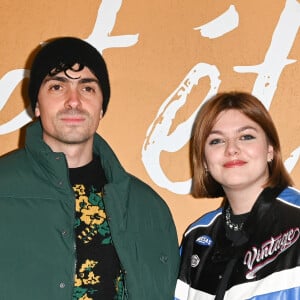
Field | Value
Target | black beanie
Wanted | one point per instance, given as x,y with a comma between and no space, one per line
67,51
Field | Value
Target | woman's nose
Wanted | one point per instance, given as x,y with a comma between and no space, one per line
232,147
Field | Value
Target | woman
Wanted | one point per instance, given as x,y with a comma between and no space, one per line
250,247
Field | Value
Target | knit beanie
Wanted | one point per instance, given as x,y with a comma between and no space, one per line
67,51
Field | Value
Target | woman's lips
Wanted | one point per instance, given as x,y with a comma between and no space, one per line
234,163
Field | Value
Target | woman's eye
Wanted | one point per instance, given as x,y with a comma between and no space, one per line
215,141
247,137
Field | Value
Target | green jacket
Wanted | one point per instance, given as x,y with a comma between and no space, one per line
37,253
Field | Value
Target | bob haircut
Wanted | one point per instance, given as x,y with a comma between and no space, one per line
204,184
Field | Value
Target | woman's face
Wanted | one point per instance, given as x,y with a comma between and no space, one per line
237,152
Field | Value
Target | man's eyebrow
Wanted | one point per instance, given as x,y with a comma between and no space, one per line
88,80
55,78
66,79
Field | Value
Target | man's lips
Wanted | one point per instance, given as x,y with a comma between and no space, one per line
72,119
234,163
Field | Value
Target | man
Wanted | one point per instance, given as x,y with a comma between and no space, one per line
74,224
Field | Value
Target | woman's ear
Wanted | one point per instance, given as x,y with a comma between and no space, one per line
270,155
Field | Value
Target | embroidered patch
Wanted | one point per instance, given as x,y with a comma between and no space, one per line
195,261
204,240
258,257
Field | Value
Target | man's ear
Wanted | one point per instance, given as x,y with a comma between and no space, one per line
101,114
37,110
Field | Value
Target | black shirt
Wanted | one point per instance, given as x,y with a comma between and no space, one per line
98,274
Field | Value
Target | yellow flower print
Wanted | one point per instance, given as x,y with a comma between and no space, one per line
92,279
81,202
100,194
79,189
85,297
77,281
89,264
93,215
86,273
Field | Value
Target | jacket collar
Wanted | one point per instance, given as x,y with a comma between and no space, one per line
262,208
48,160
40,150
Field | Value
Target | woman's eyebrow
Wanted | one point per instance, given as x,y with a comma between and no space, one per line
241,129
246,128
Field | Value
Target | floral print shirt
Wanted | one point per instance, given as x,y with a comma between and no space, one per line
98,272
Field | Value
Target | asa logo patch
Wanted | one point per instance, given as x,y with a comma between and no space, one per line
204,240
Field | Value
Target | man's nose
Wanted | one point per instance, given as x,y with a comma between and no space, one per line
73,99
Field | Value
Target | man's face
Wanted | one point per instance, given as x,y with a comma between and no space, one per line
70,108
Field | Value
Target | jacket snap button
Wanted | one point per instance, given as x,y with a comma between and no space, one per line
62,285
164,259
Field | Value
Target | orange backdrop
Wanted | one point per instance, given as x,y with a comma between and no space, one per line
164,58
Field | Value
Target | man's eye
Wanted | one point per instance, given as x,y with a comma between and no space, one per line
89,89
55,87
